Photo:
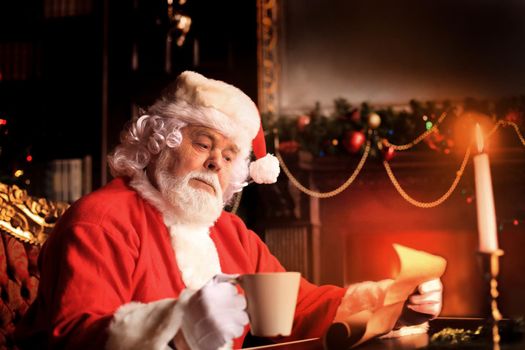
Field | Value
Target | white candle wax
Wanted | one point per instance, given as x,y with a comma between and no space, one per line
488,238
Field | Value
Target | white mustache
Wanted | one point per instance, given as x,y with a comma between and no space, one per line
208,178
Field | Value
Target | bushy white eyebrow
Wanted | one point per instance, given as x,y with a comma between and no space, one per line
204,132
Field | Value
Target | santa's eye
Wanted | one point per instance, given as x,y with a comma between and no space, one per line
203,146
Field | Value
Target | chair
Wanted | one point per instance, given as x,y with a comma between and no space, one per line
25,223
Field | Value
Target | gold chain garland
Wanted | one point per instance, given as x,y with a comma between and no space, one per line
505,123
316,194
517,130
391,175
436,202
237,202
420,137
459,173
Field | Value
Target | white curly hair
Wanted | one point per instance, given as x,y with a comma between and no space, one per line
161,127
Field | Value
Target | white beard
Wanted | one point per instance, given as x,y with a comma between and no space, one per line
194,206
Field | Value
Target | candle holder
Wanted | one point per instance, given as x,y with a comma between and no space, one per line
490,268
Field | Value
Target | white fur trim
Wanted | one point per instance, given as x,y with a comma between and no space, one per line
151,326
195,251
239,115
214,119
197,256
265,170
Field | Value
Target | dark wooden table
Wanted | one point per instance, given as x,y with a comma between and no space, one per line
420,341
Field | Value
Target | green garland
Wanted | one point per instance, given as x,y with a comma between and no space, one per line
321,134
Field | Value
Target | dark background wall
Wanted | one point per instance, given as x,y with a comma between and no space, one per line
68,82
377,51
388,52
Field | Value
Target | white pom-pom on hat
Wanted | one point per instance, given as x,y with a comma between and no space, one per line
265,169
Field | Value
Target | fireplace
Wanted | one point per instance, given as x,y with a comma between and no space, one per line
348,238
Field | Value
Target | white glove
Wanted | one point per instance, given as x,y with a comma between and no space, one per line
214,315
423,305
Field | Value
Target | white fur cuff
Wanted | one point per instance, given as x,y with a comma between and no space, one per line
148,326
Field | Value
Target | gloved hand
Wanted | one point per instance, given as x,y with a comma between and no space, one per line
423,305
214,315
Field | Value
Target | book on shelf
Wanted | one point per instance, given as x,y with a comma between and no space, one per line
68,179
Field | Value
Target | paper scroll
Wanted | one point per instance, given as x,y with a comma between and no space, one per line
416,267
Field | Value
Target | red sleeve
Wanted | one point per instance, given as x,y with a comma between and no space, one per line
315,310
86,275
316,305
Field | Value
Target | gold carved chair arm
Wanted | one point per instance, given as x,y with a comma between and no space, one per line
29,219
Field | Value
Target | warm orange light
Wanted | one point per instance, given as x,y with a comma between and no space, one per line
479,138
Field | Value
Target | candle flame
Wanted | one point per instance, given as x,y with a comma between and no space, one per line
479,138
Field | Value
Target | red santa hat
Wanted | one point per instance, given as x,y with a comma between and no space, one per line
234,114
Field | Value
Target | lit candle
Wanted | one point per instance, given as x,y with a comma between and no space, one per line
488,238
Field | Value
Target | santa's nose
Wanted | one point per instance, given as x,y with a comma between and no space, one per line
213,163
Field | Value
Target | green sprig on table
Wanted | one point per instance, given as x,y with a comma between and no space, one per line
456,335
511,331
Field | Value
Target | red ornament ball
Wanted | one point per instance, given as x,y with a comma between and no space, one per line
355,115
512,116
388,152
303,121
353,141
289,147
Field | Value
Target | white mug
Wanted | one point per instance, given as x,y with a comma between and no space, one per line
271,299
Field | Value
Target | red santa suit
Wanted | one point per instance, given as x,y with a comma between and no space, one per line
113,269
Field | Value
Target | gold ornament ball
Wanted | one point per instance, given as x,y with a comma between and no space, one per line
374,120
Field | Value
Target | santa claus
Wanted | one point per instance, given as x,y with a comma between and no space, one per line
132,265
